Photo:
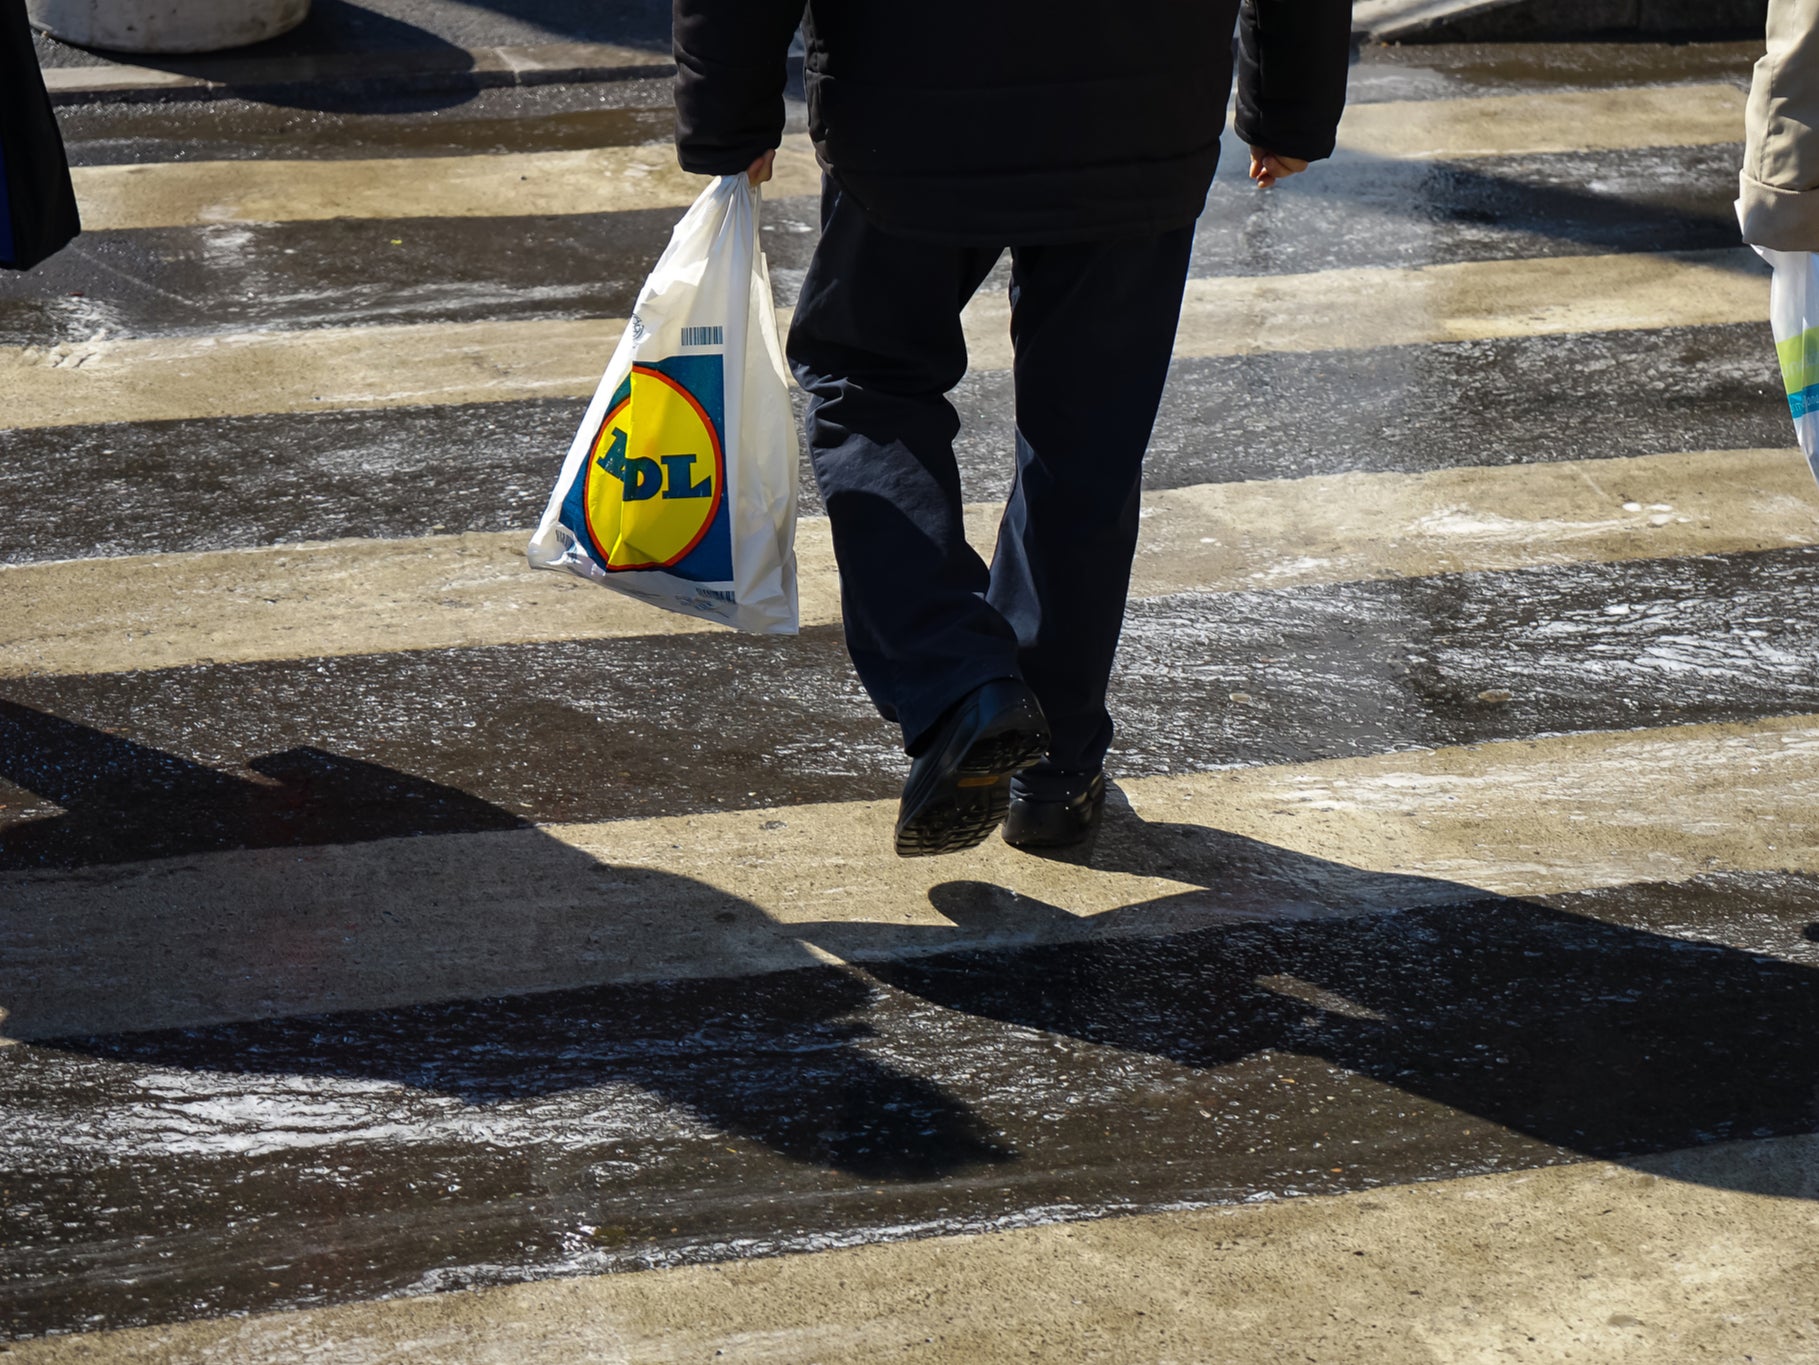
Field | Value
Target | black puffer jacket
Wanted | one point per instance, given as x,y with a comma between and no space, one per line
1010,121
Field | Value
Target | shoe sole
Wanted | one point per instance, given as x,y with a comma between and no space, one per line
976,799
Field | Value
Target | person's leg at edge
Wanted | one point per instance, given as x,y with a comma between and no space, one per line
1093,325
877,345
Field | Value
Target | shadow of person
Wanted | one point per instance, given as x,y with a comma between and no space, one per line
1555,1019
334,918
779,1059
124,802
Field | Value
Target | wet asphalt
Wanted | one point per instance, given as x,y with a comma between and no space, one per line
157,1176
309,1160
601,730
219,483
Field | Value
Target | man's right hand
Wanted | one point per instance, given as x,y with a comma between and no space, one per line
760,170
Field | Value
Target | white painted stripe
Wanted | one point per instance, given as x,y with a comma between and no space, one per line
1558,121
177,194
1469,301
115,79
602,180
1705,1254
261,933
169,378
358,597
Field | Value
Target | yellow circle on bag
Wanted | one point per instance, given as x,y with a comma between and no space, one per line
655,475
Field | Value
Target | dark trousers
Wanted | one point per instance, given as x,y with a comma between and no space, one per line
877,345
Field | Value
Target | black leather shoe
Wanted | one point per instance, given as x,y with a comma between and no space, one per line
959,787
1054,814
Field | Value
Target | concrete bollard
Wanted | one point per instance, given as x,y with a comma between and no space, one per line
166,25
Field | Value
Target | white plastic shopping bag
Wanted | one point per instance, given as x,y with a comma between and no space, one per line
680,486
1794,315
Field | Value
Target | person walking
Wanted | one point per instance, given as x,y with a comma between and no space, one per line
1779,200
1083,140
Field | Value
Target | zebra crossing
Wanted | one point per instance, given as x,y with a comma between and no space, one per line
245,374
799,903
645,176
379,918
316,599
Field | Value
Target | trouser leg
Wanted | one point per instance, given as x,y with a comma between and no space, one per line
1093,326
877,345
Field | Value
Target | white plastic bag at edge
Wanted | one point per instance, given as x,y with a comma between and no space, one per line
1794,315
686,498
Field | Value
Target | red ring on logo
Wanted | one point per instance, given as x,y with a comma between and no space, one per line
587,503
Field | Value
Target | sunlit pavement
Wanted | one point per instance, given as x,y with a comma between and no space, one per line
380,918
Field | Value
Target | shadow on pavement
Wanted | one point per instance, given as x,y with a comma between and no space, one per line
507,964
479,930
124,802
1604,1039
778,1059
343,58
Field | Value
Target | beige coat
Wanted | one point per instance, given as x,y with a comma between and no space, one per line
1780,201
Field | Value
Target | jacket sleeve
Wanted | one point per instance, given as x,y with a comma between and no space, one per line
1292,60
732,60
1779,203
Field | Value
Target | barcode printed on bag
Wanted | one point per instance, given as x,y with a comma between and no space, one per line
704,336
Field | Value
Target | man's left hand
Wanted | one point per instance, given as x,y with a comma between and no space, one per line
1267,167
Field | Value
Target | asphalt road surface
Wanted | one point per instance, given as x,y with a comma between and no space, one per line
379,918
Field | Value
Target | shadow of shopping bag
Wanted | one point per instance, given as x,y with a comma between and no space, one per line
37,203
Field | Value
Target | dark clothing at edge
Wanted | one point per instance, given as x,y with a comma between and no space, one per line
1027,121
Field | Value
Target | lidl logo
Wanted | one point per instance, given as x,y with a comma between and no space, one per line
654,492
